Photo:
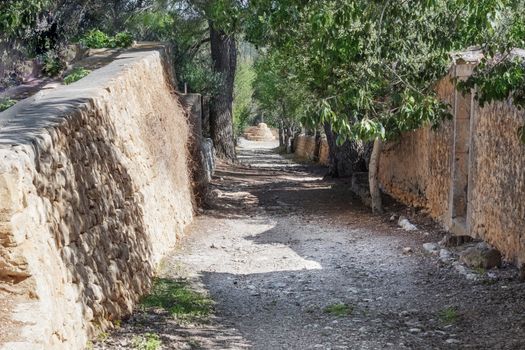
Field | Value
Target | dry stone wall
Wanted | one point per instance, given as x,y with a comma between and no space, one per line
324,153
94,189
422,169
305,147
496,204
416,168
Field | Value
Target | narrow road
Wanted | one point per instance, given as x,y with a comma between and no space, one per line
293,261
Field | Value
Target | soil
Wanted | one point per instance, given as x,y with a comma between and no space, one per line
295,261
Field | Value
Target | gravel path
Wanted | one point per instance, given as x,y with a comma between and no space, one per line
293,261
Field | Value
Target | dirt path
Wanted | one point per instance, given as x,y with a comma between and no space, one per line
293,261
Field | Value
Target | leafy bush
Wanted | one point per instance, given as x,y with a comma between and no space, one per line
75,75
52,65
200,78
123,39
97,39
156,25
7,103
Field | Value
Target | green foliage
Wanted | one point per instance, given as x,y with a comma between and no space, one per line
16,16
122,39
372,66
179,300
224,15
52,64
75,75
6,103
157,24
97,39
339,310
200,78
243,106
498,82
102,336
279,94
148,341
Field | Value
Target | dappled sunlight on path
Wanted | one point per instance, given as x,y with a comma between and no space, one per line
294,261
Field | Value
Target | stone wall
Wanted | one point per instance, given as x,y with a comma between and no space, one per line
324,153
497,188
416,168
94,188
305,147
469,174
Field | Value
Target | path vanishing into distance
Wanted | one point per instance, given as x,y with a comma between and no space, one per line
289,260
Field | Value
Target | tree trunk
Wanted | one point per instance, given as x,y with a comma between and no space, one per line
288,140
281,135
224,57
373,173
345,159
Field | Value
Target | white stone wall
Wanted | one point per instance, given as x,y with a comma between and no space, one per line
94,190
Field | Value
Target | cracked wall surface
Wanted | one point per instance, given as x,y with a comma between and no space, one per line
94,189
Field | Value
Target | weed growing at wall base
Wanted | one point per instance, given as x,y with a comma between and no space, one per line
177,298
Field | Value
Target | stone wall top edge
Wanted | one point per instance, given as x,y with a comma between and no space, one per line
49,109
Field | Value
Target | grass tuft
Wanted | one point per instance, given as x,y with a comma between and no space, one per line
449,315
75,75
339,310
177,298
148,341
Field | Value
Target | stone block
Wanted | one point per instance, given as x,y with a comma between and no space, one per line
481,256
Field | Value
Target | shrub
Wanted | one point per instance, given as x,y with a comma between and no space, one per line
97,39
123,39
52,65
7,103
75,75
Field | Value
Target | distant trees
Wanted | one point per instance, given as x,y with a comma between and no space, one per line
362,70
372,66
283,100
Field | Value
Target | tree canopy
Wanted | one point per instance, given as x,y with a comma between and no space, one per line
373,65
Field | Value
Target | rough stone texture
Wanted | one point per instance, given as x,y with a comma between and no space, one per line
497,206
481,256
260,132
417,170
324,153
94,189
305,147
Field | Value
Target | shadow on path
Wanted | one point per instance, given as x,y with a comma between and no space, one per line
278,246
